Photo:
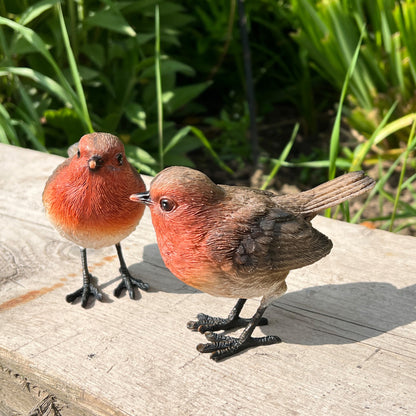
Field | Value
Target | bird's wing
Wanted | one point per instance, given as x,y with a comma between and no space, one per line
275,240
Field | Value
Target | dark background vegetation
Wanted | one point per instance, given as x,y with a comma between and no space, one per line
334,85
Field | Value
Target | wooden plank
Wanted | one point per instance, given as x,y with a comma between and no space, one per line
347,324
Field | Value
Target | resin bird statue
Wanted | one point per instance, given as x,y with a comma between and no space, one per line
239,242
87,200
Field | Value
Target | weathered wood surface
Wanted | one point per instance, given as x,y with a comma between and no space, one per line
347,325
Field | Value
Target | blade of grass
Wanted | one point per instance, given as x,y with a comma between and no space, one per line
363,151
74,71
282,158
159,87
345,209
176,139
404,225
32,12
40,46
409,181
405,18
198,133
377,188
345,35
8,133
31,117
28,129
394,126
37,43
43,81
315,164
334,141
397,66
410,144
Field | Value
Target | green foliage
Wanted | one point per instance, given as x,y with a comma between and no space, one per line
386,69
231,135
381,101
167,77
281,73
92,67
353,160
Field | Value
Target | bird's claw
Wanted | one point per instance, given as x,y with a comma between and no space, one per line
211,323
222,346
129,283
84,293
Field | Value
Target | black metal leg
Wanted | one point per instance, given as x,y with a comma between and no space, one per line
128,282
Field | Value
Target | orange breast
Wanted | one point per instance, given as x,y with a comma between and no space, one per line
93,209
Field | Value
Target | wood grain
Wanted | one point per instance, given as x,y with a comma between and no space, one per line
347,324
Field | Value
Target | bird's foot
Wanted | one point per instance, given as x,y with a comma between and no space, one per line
129,282
84,293
211,323
222,346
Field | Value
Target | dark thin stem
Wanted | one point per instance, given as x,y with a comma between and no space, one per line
249,80
159,87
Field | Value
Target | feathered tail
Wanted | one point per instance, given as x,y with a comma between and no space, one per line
328,194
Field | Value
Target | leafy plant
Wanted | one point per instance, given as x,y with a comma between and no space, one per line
281,74
380,102
353,160
168,79
386,69
63,75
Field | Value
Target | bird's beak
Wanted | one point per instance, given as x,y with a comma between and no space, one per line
144,198
94,162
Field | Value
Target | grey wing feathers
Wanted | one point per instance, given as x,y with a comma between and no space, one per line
280,241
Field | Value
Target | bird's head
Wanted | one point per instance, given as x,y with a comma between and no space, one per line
180,195
96,150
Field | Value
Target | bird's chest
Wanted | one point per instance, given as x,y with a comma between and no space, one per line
91,197
185,254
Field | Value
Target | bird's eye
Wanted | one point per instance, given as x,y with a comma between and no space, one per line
78,153
167,204
120,158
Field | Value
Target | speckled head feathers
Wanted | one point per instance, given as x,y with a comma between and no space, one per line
184,183
100,143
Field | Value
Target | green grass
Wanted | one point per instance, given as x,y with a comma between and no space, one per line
168,79
100,74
